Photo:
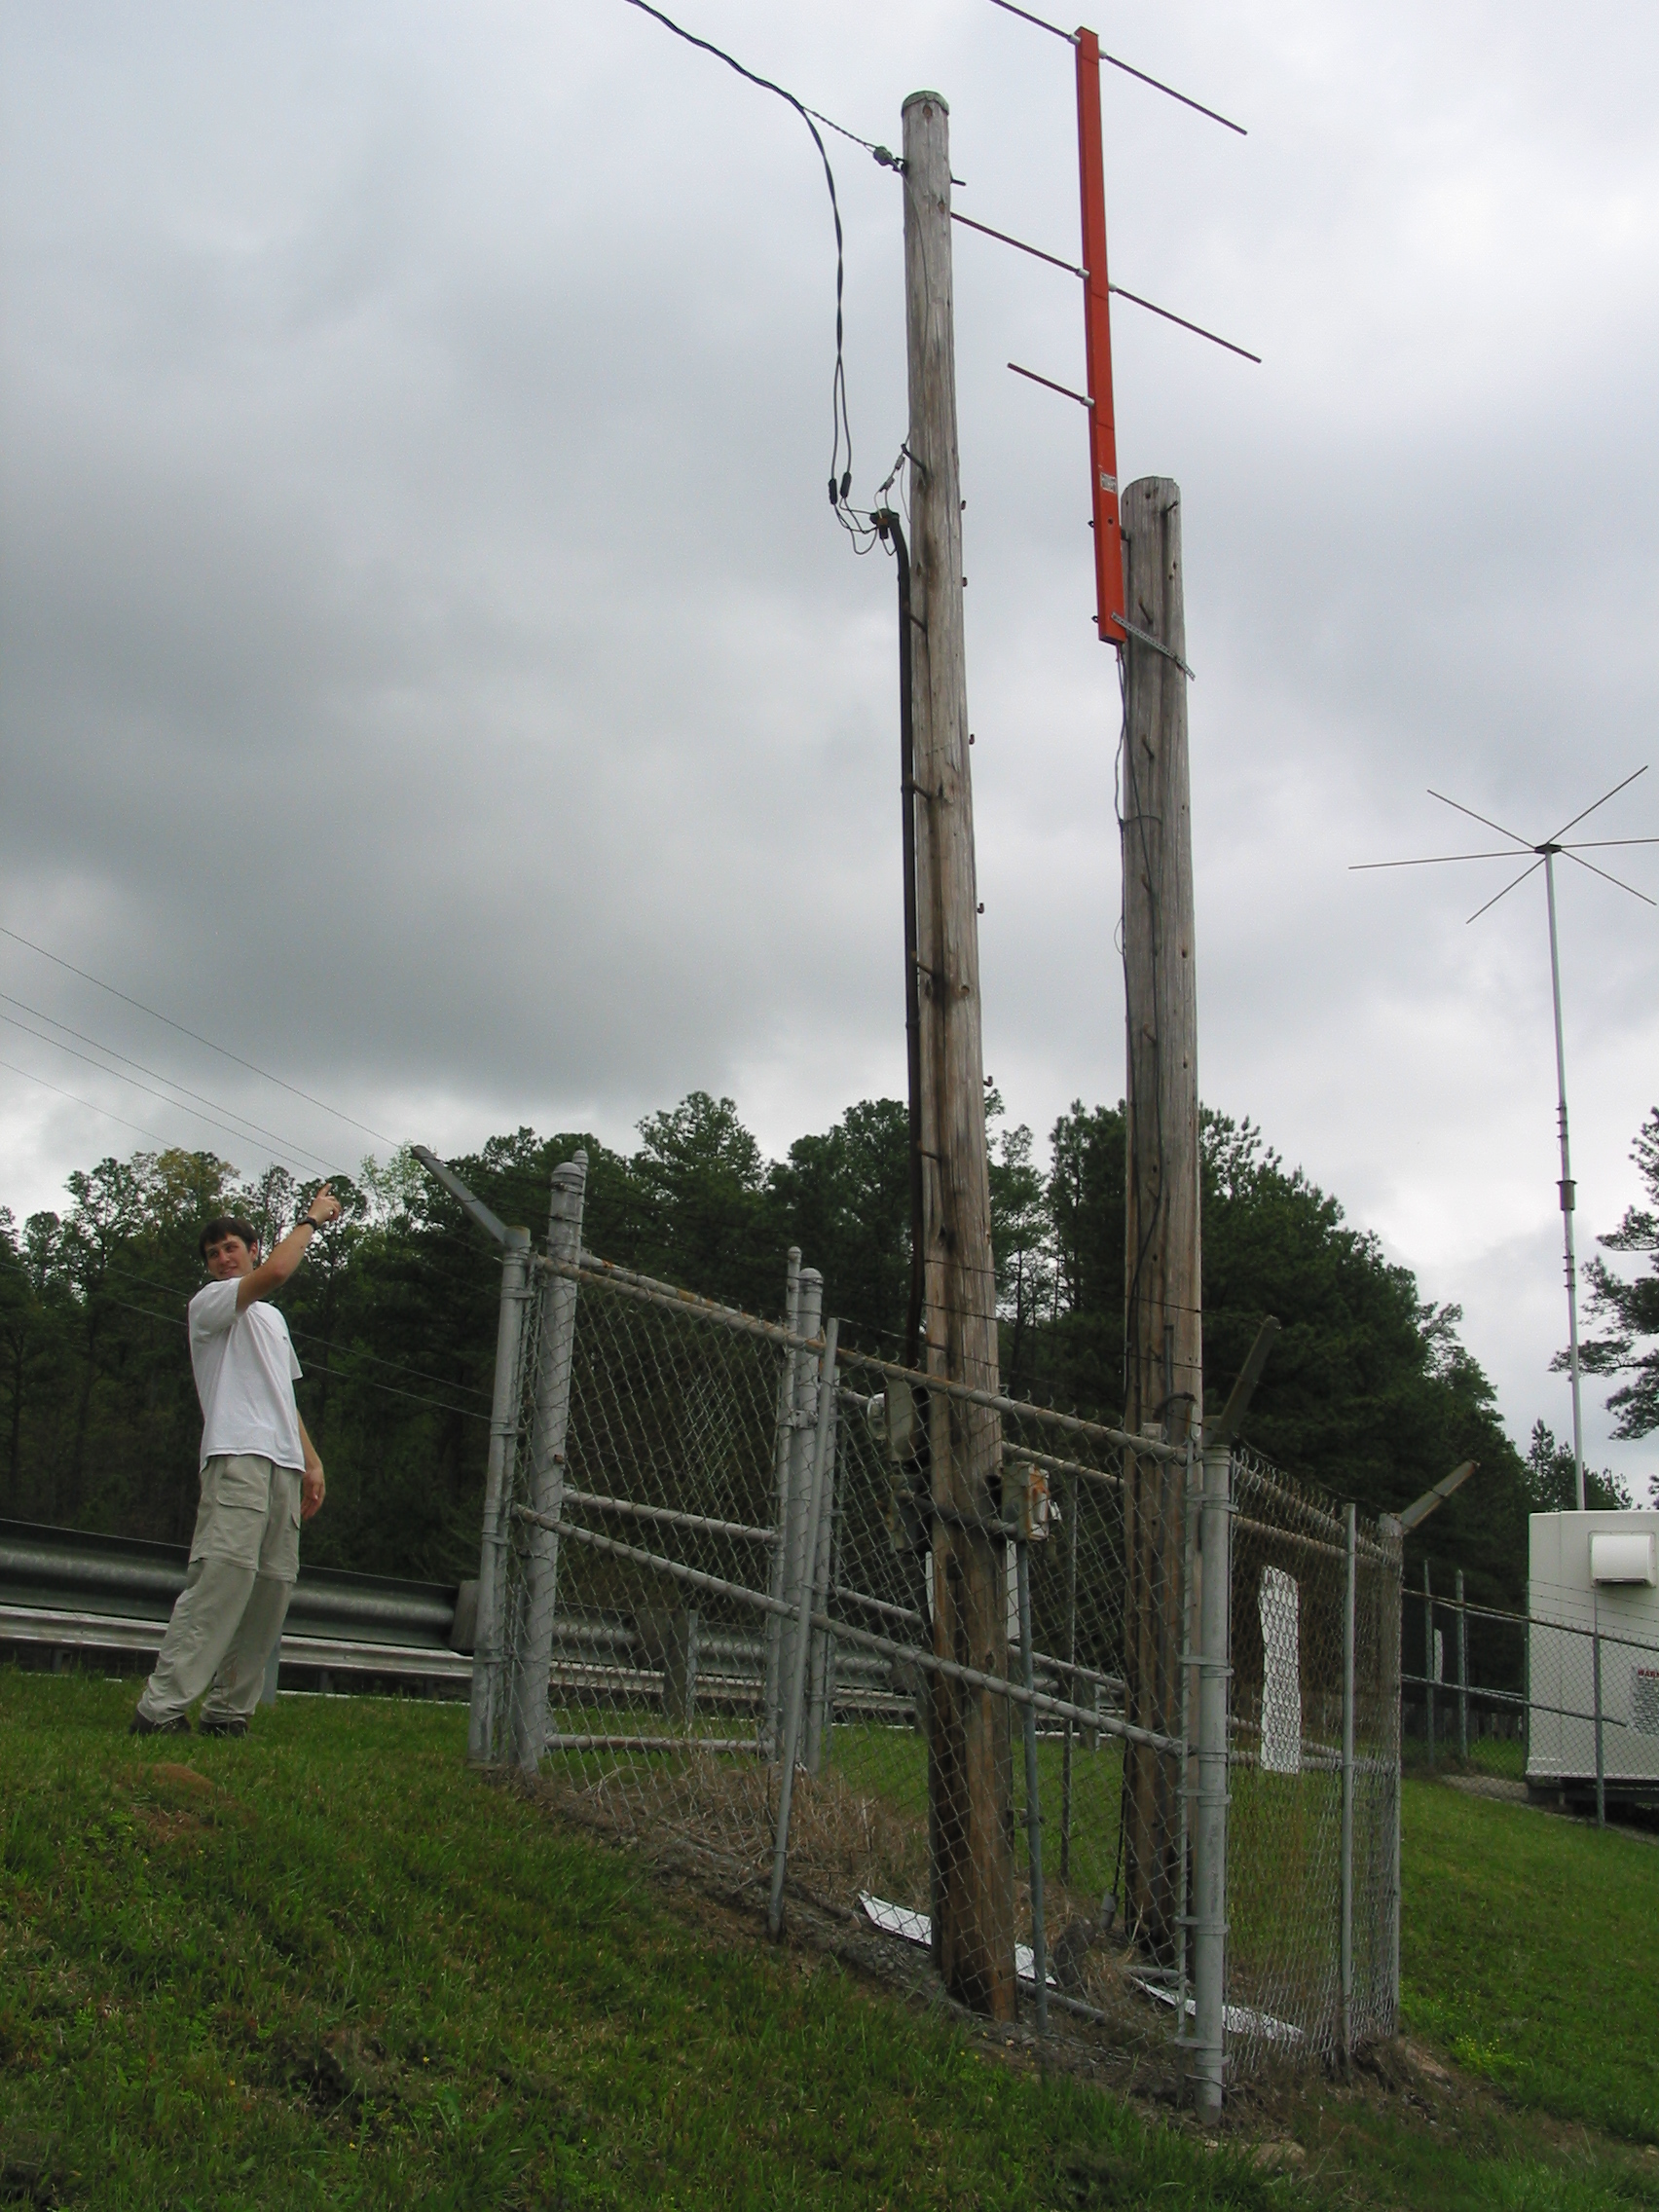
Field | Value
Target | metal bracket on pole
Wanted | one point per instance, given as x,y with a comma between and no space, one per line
475,1207
1421,1508
1226,1427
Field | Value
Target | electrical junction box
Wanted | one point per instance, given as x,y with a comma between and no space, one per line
1592,1591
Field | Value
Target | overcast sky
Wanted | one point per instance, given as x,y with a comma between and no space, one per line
431,669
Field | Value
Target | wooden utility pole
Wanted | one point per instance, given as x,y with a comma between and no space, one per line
1163,1381
969,1777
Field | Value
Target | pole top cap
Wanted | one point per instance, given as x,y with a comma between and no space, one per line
939,99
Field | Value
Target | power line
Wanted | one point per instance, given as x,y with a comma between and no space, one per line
98,1044
76,1099
195,1035
87,1060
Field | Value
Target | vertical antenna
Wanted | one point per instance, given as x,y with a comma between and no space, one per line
1544,854
1567,1192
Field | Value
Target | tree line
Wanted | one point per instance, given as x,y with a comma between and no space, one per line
1368,1389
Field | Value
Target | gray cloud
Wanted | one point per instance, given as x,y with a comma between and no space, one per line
430,666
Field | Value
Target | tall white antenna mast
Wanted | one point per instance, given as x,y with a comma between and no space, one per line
1544,856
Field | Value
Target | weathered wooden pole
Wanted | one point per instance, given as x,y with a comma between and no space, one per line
969,1776
1164,1349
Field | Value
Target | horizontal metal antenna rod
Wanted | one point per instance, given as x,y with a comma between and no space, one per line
1484,820
1602,801
1159,86
1035,251
1618,881
1507,888
1065,390
1072,268
1507,853
1435,860
1198,328
1042,23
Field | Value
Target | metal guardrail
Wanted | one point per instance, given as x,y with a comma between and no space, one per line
71,1593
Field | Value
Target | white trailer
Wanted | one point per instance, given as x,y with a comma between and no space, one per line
1592,1648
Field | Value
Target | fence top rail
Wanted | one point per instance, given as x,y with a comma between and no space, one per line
1588,1630
590,1268
1280,1533
1021,1409
1318,1508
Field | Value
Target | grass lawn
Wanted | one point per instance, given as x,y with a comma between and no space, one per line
327,1966
1530,1951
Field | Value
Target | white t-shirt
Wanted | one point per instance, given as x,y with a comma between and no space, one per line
246,1371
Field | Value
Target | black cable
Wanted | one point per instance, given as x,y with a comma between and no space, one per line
840,480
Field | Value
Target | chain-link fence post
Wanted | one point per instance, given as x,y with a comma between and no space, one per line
1428,1659
489,1645
1209,1865
1072,1506
821,1696
1033,1798
1192,1650
771,1695
1350,1546
554,1355
1462,1674
1390,1632
1596,1686
797,1548
799,1645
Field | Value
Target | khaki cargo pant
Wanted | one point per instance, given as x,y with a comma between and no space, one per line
243,1559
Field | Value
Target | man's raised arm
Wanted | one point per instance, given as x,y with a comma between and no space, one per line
272,1274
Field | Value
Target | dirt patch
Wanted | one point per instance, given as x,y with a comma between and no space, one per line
169,1801
184,1778
1497,1785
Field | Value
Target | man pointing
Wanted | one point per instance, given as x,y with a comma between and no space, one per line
260,1478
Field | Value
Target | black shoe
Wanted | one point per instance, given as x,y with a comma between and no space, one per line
141,1724
221,1724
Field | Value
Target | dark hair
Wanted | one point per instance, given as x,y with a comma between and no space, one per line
227,1225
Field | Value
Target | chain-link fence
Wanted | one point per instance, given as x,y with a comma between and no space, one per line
1312,1843
747,1611
1566,1694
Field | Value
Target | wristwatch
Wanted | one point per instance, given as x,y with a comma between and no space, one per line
319,1226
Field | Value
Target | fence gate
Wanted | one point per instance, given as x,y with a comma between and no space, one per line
706,1622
